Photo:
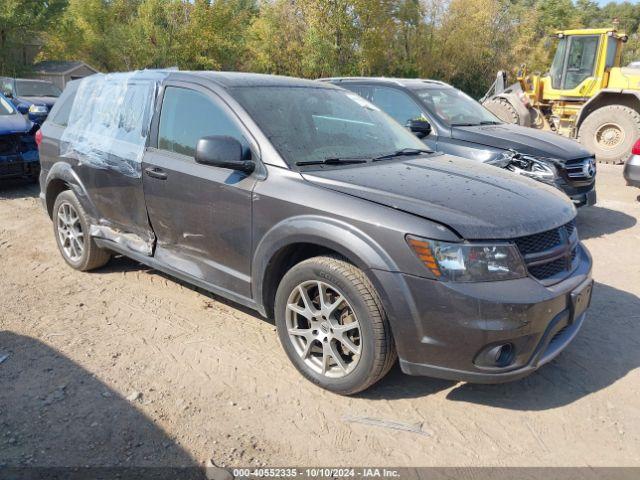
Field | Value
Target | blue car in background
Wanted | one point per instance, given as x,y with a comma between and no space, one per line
33,98
18,149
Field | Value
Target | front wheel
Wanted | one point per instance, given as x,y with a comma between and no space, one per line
610,132
332,325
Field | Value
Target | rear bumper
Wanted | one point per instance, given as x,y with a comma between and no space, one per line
632,171
444,329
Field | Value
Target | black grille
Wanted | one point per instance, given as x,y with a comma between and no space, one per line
13,168
538,242
549,269
9,144
576,168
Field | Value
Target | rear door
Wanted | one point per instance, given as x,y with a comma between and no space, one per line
102,136
201,214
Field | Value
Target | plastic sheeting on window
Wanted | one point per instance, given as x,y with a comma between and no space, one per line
110,118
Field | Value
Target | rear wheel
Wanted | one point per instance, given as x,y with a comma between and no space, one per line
332,325
71,229
610,132
502,109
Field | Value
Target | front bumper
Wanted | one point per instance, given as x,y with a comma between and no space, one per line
632,171
582,194
19,165
441,329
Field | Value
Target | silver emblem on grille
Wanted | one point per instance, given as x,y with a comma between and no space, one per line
589,168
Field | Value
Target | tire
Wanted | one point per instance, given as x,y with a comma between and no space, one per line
71,230
610,132
371,352
502,109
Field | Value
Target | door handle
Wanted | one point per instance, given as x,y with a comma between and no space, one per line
156,172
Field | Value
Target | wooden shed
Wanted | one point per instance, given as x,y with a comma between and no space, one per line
61,72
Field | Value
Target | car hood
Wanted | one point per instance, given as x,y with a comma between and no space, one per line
522,139
48,101
10,124
478,201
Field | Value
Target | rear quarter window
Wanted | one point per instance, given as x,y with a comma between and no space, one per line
61,111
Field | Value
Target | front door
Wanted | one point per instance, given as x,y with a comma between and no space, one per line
201,214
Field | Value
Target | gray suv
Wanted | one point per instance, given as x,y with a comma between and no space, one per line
449,121
305,202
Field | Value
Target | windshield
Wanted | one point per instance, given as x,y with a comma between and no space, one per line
5,107
307,124
29,88
455,108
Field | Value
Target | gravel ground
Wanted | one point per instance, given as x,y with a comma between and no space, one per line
126,366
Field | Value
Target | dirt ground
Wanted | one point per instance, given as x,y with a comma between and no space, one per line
126,366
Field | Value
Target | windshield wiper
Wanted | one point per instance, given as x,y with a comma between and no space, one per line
465,124
402,152
490,122
332,161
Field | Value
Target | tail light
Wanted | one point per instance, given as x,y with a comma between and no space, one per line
636,148
39,137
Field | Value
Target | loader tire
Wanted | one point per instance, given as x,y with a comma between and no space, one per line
502,109
610,132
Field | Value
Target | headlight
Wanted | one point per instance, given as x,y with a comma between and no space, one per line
533,167
527,165
469,262
38,109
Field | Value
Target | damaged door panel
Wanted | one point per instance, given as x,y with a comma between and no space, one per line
108,142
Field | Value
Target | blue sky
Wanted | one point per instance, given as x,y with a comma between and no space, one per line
604,2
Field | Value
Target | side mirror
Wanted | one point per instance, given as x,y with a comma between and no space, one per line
224,152
421,128
23,108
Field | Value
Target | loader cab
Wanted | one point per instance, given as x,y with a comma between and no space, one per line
582,63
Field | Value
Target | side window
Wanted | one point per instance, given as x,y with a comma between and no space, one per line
362,90
187,116
61,117
397,104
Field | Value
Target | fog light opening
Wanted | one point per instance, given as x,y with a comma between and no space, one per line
504,355
497,356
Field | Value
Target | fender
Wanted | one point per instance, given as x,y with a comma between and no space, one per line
64,172
594,102
342,237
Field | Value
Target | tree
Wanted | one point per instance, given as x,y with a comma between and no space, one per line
20,21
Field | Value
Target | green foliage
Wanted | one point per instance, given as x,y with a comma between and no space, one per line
463,42
20,23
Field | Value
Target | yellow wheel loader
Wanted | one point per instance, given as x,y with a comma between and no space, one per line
585,95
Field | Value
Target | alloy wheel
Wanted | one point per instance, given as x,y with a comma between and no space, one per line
323,328
70,232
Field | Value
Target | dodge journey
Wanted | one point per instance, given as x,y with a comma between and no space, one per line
307,203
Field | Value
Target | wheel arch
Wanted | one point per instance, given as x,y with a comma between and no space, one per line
297,239
606,97
61,177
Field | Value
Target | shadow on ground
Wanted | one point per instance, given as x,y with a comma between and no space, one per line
597,221
54,413
18,188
